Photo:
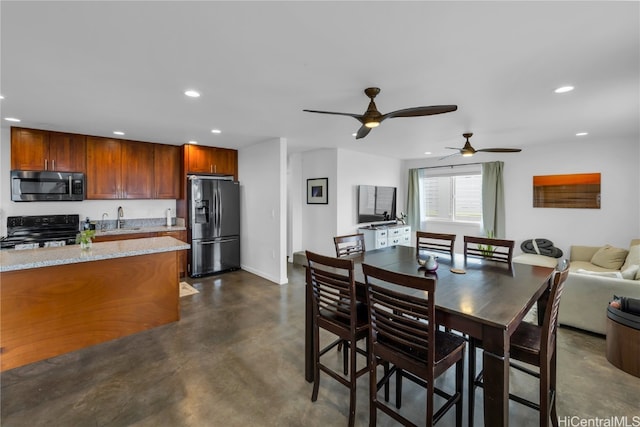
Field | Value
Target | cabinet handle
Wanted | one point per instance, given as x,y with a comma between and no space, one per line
215,168
46,164
53,164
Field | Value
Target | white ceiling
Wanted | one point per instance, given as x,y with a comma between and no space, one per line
95,67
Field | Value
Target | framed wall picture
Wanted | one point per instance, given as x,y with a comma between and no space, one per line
317,191
580,190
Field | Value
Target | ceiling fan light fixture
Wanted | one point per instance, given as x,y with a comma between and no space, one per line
372,124
467,154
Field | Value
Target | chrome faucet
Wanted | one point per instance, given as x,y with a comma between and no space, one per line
103,226
120,221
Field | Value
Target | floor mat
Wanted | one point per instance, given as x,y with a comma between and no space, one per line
186,289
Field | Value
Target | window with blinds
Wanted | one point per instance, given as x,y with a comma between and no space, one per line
452,197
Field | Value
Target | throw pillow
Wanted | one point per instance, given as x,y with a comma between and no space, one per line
630,272
638,275
633,258
609,257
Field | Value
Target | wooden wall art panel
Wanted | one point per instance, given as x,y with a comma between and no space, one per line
580,190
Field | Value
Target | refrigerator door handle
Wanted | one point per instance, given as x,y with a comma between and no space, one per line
213,242
218,209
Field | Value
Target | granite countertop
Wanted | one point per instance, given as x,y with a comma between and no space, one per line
136,229
12,260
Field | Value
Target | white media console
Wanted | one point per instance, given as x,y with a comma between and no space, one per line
381,236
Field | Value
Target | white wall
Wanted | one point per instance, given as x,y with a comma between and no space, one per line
263,214
294,204
616,223
346,170
319,221
364,169
87,208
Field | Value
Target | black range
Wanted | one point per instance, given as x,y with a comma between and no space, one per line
43,230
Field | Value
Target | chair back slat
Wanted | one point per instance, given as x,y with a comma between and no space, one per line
401,321
438,242
499,250
333,288
550,322
350,244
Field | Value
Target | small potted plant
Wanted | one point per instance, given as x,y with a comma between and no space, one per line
85,238
487,250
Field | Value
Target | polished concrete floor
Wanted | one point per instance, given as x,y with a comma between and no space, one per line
236,359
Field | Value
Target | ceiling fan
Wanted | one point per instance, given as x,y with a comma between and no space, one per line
468,150
372,117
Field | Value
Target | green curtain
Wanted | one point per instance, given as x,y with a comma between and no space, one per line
493,212
413,199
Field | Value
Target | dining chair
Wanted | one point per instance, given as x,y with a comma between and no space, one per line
403,333
349,244
336,310
499,250
438,242
535,345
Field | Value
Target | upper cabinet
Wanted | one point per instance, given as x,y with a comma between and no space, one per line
121,169
104,159
33,149
210,160
167,167
137,170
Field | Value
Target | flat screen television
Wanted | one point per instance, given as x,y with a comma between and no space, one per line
376,203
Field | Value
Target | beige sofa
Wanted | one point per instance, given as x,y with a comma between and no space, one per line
596,275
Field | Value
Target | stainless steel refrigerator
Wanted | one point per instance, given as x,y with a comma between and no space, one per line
214,224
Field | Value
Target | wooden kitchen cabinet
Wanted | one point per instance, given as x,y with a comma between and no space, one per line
167,171
33,149
104,158
211,160
227,162
177,234
137,170
124,236
119,169
182,256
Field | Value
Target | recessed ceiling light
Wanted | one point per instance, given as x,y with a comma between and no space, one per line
216,131
582,133
1,97
354,134
427,152
564,89
118,132
192,93
11,119
193,142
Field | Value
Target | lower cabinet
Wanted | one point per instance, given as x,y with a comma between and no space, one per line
178,234
376,238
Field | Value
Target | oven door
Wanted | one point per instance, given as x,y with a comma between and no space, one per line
30,186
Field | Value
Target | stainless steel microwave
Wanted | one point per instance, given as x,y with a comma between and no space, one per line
37,186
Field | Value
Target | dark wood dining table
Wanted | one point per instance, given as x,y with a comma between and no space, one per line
487,302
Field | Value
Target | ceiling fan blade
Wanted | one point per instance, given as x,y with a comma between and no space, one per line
453,148
362,132
421,111
450,155
500,150
355,116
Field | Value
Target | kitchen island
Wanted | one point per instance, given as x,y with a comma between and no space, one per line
57,300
